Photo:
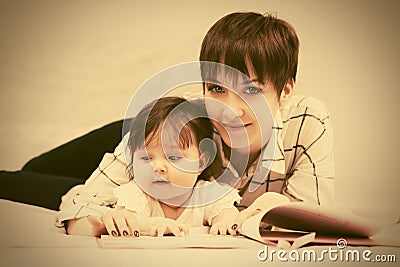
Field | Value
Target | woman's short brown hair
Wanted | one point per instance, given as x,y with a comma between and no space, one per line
268,43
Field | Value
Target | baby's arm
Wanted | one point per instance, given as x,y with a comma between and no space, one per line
84,205
222,223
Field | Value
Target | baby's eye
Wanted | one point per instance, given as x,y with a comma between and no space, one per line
174,158
252,90
145,158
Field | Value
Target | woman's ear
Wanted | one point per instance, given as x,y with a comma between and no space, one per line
287,92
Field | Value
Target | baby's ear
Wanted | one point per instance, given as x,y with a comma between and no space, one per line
203,161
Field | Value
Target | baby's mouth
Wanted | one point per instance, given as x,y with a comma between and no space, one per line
160,182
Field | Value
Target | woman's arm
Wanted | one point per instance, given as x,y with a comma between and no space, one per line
308,145
95,198
86,226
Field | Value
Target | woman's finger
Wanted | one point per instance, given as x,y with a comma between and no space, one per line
242,216
222,230
109,224
121,225
132,223
231,231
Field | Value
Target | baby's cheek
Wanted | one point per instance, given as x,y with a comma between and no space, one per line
144,174
142,167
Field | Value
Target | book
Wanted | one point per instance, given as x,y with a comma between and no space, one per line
303,223
279,223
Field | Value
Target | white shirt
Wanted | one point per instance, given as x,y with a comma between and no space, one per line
131,197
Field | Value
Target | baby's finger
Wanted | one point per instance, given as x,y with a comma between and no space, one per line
109,224
153,231
175,230
161,230
214,230
184,229
173,227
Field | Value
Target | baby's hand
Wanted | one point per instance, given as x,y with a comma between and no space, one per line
158,226
222,223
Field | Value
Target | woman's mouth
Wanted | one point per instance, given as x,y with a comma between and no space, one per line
235,127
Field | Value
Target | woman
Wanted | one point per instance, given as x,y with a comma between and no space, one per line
264,48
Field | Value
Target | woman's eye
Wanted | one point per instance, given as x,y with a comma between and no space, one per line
216,89
145,158
252,90
173,158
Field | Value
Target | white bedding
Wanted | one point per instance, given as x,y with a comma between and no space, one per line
29,238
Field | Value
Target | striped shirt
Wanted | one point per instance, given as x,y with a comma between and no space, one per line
301,168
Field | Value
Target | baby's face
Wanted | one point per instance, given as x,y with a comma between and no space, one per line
166,171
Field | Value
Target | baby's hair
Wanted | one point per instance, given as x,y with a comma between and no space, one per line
270,44
187,120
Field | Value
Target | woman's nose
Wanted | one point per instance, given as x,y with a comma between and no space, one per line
233,109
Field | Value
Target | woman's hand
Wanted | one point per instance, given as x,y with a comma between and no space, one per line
121,222
264,202
222,223
87,226
116,222
242,216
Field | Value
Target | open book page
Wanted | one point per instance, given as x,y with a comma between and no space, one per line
304,223
322,220
266,202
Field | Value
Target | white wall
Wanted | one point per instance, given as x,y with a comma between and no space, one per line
67,67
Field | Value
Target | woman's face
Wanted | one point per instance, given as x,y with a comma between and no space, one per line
242,114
